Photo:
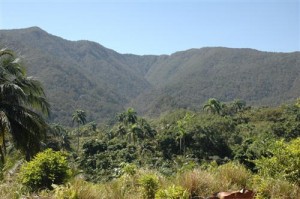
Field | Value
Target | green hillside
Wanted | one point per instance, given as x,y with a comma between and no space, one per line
190,77
86,75
79,74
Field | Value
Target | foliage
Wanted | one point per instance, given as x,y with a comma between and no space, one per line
47,168
205,166
181,128
283,163
253,148
129,169
79,117
13,161
213,105
22,98
129,141
267,187
58,138
149,184
172,192
103,161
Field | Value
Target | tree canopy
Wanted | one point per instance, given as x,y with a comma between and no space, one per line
22,99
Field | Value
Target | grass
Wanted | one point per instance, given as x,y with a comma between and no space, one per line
196,182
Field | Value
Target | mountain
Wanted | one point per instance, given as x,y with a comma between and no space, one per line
80,74
86,75
191,77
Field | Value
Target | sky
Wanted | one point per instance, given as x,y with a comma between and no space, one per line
162,26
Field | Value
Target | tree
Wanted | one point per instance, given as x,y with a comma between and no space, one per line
22,98
181,126
137,130
128,125
58,138
128,117
213,105
238,105
79,117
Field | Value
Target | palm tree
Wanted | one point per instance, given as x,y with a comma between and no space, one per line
128,117
238,105
181,126
213,105
129,125
79,117
21,99
60,136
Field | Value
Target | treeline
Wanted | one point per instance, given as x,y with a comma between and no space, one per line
221,133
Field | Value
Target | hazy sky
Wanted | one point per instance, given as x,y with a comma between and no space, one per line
162,26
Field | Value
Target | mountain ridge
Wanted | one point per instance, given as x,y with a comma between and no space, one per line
84,74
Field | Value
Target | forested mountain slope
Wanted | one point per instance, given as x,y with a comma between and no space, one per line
79,74
86,75
188,78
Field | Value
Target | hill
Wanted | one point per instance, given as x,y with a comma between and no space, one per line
189,78
80,74
86,75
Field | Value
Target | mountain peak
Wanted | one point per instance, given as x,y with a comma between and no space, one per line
34,28
30,29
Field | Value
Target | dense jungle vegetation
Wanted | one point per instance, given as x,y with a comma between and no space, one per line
180,154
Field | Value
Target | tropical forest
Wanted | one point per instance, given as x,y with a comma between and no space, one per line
80,121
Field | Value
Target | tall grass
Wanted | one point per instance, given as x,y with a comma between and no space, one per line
232,176
196,183
10,190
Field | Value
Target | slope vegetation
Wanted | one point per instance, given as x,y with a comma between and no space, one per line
86,75
188,78
79,74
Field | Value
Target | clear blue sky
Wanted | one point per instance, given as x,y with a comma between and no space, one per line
163,26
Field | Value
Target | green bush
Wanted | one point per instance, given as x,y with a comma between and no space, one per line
47,168
173,192
284,163
129,169
149,183
267,187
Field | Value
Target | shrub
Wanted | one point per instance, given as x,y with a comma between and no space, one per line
173,192
267,187
284,163
232,174
47,168
129,169
149,183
